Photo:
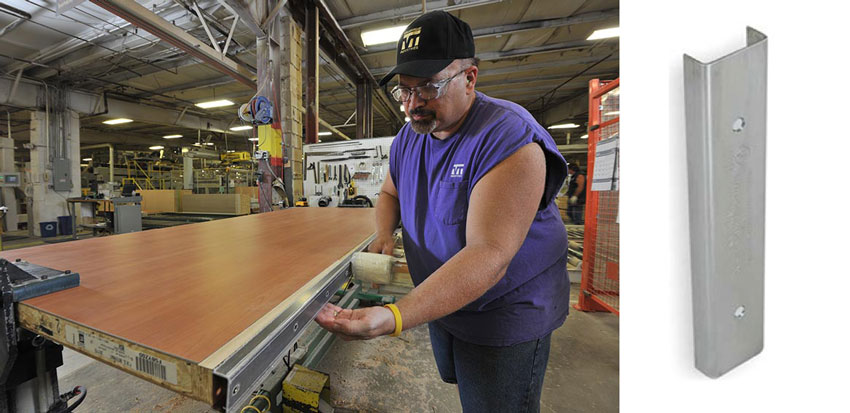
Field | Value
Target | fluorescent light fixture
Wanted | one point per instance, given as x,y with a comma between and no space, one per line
214,104
117,121
612,113
324,133
156,147
243,127
401,108
172,136
605,33
381,36
230,151
564,126
583,136
87,159
209,144
406,119
253,139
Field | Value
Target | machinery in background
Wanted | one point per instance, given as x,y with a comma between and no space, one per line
119,215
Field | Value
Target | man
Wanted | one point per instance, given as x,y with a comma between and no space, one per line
472,180
575,193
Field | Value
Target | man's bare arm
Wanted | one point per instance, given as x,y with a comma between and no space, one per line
580,181
496,226
387,215
497,223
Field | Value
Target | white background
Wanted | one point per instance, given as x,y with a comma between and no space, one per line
806,359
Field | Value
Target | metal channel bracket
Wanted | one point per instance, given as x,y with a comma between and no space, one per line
725,111
243,371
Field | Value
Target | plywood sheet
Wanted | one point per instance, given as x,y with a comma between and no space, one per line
188,290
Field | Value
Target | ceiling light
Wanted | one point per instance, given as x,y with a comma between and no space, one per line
209,144
214,104
86,159
253,139
605,33
230,151
583,136
243,127
117,121
156,147
612,113
324,133
381,36
564,126
401,108
196,144
406,119
172,136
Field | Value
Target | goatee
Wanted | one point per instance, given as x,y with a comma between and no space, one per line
424,126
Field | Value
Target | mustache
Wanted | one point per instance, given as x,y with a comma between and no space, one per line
421,112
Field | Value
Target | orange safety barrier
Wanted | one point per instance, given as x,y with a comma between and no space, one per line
600,277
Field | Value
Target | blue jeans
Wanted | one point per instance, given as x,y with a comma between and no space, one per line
576,214
492,379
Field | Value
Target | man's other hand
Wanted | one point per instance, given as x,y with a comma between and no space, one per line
360,324
382,245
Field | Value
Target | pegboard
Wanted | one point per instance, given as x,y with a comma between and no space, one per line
367,160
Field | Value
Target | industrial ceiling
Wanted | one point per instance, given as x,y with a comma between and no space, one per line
533,52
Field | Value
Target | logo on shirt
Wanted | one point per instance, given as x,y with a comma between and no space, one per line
410,40
457,171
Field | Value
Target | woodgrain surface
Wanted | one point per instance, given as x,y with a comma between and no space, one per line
188,290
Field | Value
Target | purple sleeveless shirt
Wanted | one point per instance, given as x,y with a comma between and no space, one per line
435,179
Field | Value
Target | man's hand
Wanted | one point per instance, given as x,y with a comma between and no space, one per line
360,324
382,245
573,200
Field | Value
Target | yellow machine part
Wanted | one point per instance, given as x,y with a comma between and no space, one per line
236,157
268,139
302,389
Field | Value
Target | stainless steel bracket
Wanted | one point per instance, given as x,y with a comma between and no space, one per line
725,113
244,370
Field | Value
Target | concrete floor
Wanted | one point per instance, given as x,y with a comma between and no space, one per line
393,375
399,375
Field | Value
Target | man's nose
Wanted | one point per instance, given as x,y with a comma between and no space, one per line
415,101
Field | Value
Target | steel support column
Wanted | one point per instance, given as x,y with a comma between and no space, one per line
312,102
364,110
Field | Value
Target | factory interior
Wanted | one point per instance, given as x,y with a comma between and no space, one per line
170,168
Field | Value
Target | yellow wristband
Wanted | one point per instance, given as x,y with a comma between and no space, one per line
397,316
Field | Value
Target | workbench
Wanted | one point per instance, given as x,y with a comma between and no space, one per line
203,309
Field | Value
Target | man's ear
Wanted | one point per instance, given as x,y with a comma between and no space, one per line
471,77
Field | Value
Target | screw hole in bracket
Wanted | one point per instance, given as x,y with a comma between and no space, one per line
740,312
738,124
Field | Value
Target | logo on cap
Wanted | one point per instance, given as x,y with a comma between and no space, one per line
410,40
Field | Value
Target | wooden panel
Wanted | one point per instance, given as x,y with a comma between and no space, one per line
159,200
217,203
155,366
187,290
251,191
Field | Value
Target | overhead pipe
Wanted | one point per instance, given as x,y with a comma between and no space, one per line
21,15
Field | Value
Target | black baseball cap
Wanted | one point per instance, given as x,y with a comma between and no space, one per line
429,44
